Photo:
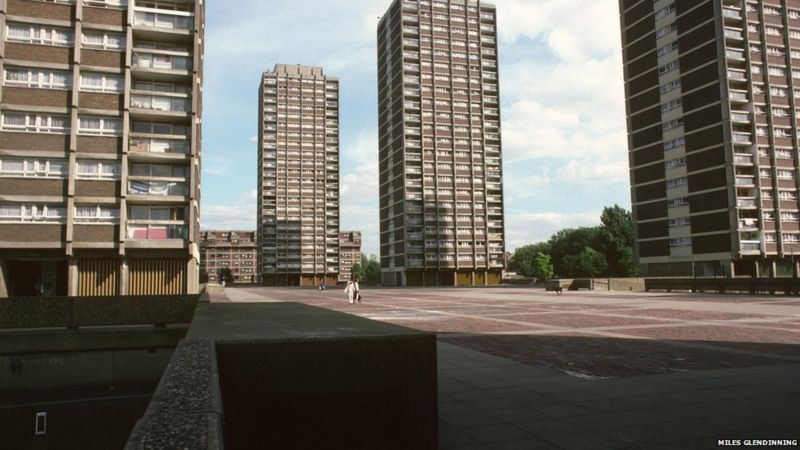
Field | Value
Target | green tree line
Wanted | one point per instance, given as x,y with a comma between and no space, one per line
586,252
368,271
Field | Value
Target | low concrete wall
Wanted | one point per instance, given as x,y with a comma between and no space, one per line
598,284
185,411
287,375
750,286
74,312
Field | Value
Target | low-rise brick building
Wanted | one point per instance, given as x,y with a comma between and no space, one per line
349,253
233,250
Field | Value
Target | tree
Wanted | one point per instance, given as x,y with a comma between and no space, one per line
568,244
225,275
617,234
368,271
524,260
542,267
587,264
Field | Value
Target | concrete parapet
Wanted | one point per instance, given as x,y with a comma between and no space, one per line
186,408
298,377
726,285
74,312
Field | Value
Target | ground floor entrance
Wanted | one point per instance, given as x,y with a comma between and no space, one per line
35,278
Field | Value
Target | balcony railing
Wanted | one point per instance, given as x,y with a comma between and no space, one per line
160,103
155,61
140,230
177,20
157,188
149,145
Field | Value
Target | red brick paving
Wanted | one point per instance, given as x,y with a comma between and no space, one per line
575,320
571,332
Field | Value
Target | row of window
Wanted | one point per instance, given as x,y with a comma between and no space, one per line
47,213
99,126
89,81
59,124
85,169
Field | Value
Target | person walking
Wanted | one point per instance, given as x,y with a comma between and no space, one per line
351,289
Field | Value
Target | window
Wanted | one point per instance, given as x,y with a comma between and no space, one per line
35,123
96,214
157,171
101,82
670,86
38,34
664,11
102,126
787,195
677,182
36,78
42,168
674,143
785,175
672,46
678,202
669,67
93,170
103,40
669,106
791,238
106,3
40,213
788,216
672,124
665,30
680,242
680,222
673,163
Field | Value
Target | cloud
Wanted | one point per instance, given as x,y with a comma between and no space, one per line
238,215
359,189
529,228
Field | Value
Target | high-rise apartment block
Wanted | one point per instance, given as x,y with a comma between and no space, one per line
298,172
349,254
100,146
441,188
231,253
712,107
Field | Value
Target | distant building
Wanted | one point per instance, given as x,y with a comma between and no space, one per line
298,173
712,104
441,178
349,253
100,146
233,250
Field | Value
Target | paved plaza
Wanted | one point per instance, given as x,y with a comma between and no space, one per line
524,368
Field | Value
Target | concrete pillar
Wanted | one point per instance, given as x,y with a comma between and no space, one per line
472,278
3,276
124,276
72,278
756,269
733,269
193,276
773,268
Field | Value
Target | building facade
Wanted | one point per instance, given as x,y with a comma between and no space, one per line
349,254
101,105
230,250
712,108
441,183
298,172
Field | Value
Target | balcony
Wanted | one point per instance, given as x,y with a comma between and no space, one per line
746,203
158,188
155,106
156,230
729,13
744,138
153,23
161,66
158,146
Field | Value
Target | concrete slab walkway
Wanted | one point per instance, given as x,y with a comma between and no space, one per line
495,403
596,370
